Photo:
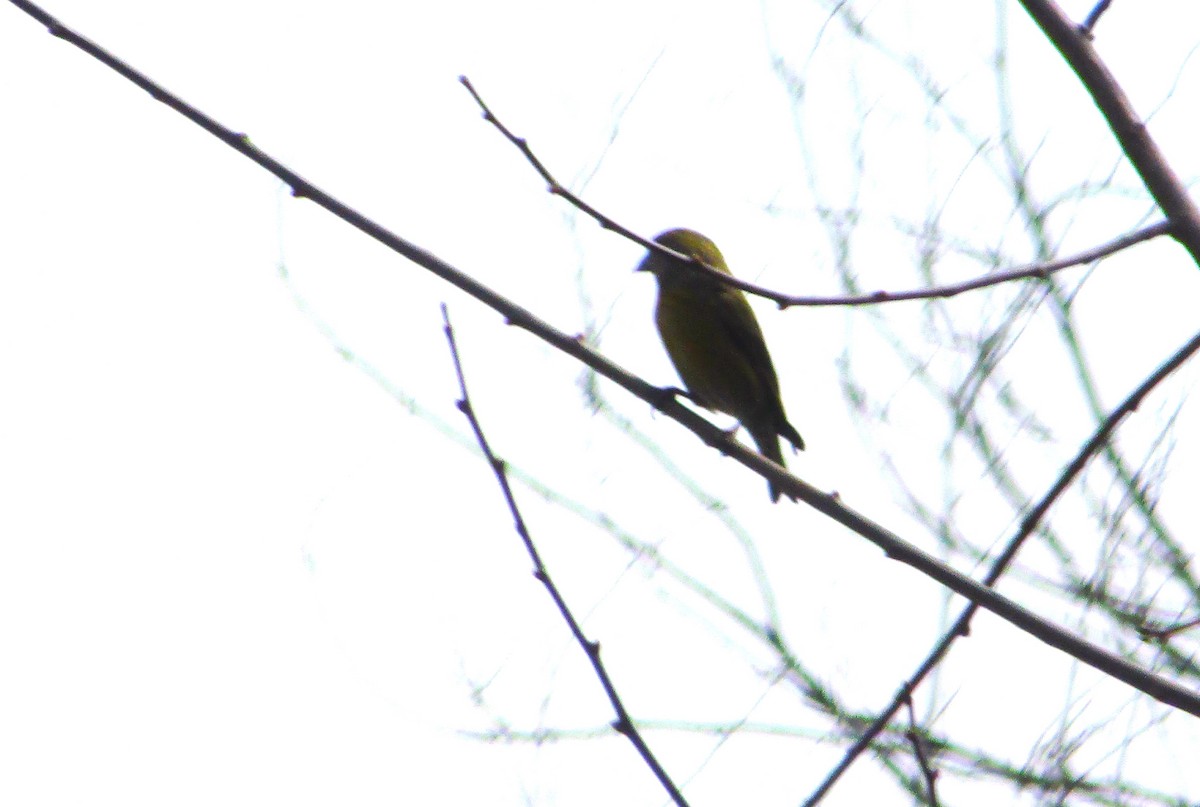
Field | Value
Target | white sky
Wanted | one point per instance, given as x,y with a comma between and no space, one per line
235,569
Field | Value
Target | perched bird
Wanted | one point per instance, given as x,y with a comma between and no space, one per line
716,344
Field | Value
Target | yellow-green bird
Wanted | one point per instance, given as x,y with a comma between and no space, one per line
716,344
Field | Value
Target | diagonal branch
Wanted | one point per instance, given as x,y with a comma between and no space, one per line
624,723
1158,687
1093,17
1074,43
556,188
1029,523
1033,270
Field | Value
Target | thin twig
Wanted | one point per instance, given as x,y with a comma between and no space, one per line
1158,687
1143,152
1164,633
624,723
913,735
1034,517
1089,24
1033,270
553,186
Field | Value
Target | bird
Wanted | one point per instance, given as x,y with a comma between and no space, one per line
715,342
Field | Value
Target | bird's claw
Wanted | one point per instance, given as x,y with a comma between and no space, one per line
668,393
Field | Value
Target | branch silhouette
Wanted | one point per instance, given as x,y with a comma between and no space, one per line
1075,45
1030,271
1093,17
1158,687
624,723
1000,565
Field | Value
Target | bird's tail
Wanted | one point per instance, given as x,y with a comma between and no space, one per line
767,440
789,431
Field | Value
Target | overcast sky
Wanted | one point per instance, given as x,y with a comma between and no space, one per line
249,553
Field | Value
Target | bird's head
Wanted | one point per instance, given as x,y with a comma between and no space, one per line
685,242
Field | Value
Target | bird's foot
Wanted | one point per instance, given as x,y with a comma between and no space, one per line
667,393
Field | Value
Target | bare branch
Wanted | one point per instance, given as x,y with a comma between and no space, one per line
1033,270
913,735
1158,687
961,626
1036,270
556,188
1164,633
1141,149
1089,25
624,723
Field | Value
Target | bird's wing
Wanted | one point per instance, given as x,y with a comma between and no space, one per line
739,323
